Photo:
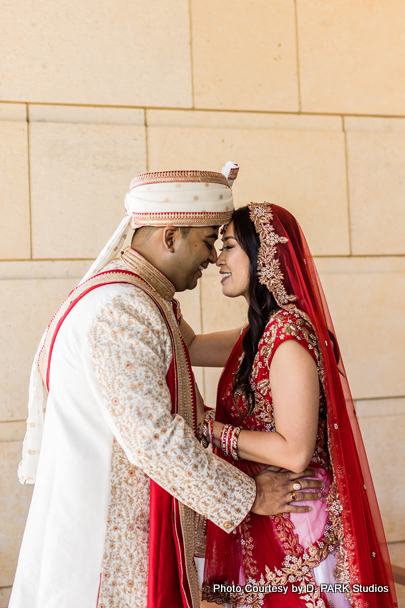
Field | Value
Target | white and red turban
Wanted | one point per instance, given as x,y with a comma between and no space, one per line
175,198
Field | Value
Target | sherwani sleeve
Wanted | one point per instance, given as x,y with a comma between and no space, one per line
130,350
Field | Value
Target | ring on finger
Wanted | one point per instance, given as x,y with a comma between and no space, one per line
297,485
293,496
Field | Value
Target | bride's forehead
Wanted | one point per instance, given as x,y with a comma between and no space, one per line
227,230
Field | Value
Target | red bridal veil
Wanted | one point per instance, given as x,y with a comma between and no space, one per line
287,267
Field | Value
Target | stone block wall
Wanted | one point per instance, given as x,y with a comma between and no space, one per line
308,96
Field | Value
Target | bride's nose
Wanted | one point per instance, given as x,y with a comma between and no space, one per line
220,261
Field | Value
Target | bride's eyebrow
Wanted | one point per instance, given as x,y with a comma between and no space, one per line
228,237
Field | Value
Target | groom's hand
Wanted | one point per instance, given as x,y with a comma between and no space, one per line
276,494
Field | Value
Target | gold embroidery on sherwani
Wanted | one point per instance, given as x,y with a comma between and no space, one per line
108,278
131,350
138,264
124,579
127,527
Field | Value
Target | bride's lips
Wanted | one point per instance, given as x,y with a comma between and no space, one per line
226,275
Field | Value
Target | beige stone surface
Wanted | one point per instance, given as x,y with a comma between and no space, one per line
218,313
380,407
13,112
80,174
26,307
211,378
40,269
190,305
12,430
375,124
85,114
108,53
376,186
242,120
191,310
397,553
383,439
301,169
365,299
351,56
4,596
199,378
400,589
14,193
360,265
14,503
244,55
382,423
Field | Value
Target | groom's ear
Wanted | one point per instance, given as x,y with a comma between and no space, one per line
170,235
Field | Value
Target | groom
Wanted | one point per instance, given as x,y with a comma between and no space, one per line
121,478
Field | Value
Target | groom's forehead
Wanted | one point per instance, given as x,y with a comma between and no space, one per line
207,232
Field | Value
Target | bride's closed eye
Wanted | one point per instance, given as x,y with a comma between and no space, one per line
227,247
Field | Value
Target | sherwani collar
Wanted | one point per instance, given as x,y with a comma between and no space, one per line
140,265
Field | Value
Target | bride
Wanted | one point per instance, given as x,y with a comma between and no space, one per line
283,400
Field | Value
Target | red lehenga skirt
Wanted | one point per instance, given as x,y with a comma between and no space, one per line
289,560
283,561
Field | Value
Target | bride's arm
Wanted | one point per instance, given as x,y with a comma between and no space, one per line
209,350
295,393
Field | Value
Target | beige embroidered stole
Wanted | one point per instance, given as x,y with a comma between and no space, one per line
183,372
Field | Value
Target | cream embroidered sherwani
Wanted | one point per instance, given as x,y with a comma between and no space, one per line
108,430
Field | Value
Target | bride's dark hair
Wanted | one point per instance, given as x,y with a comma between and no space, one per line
261,302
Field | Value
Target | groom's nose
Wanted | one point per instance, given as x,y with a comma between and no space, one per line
213,256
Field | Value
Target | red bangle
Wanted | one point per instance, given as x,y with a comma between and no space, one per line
223,438
229,441
211,431
234,443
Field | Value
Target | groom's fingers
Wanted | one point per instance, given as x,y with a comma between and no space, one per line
306,473
306,484
295,509
302,480
276,493
298,496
